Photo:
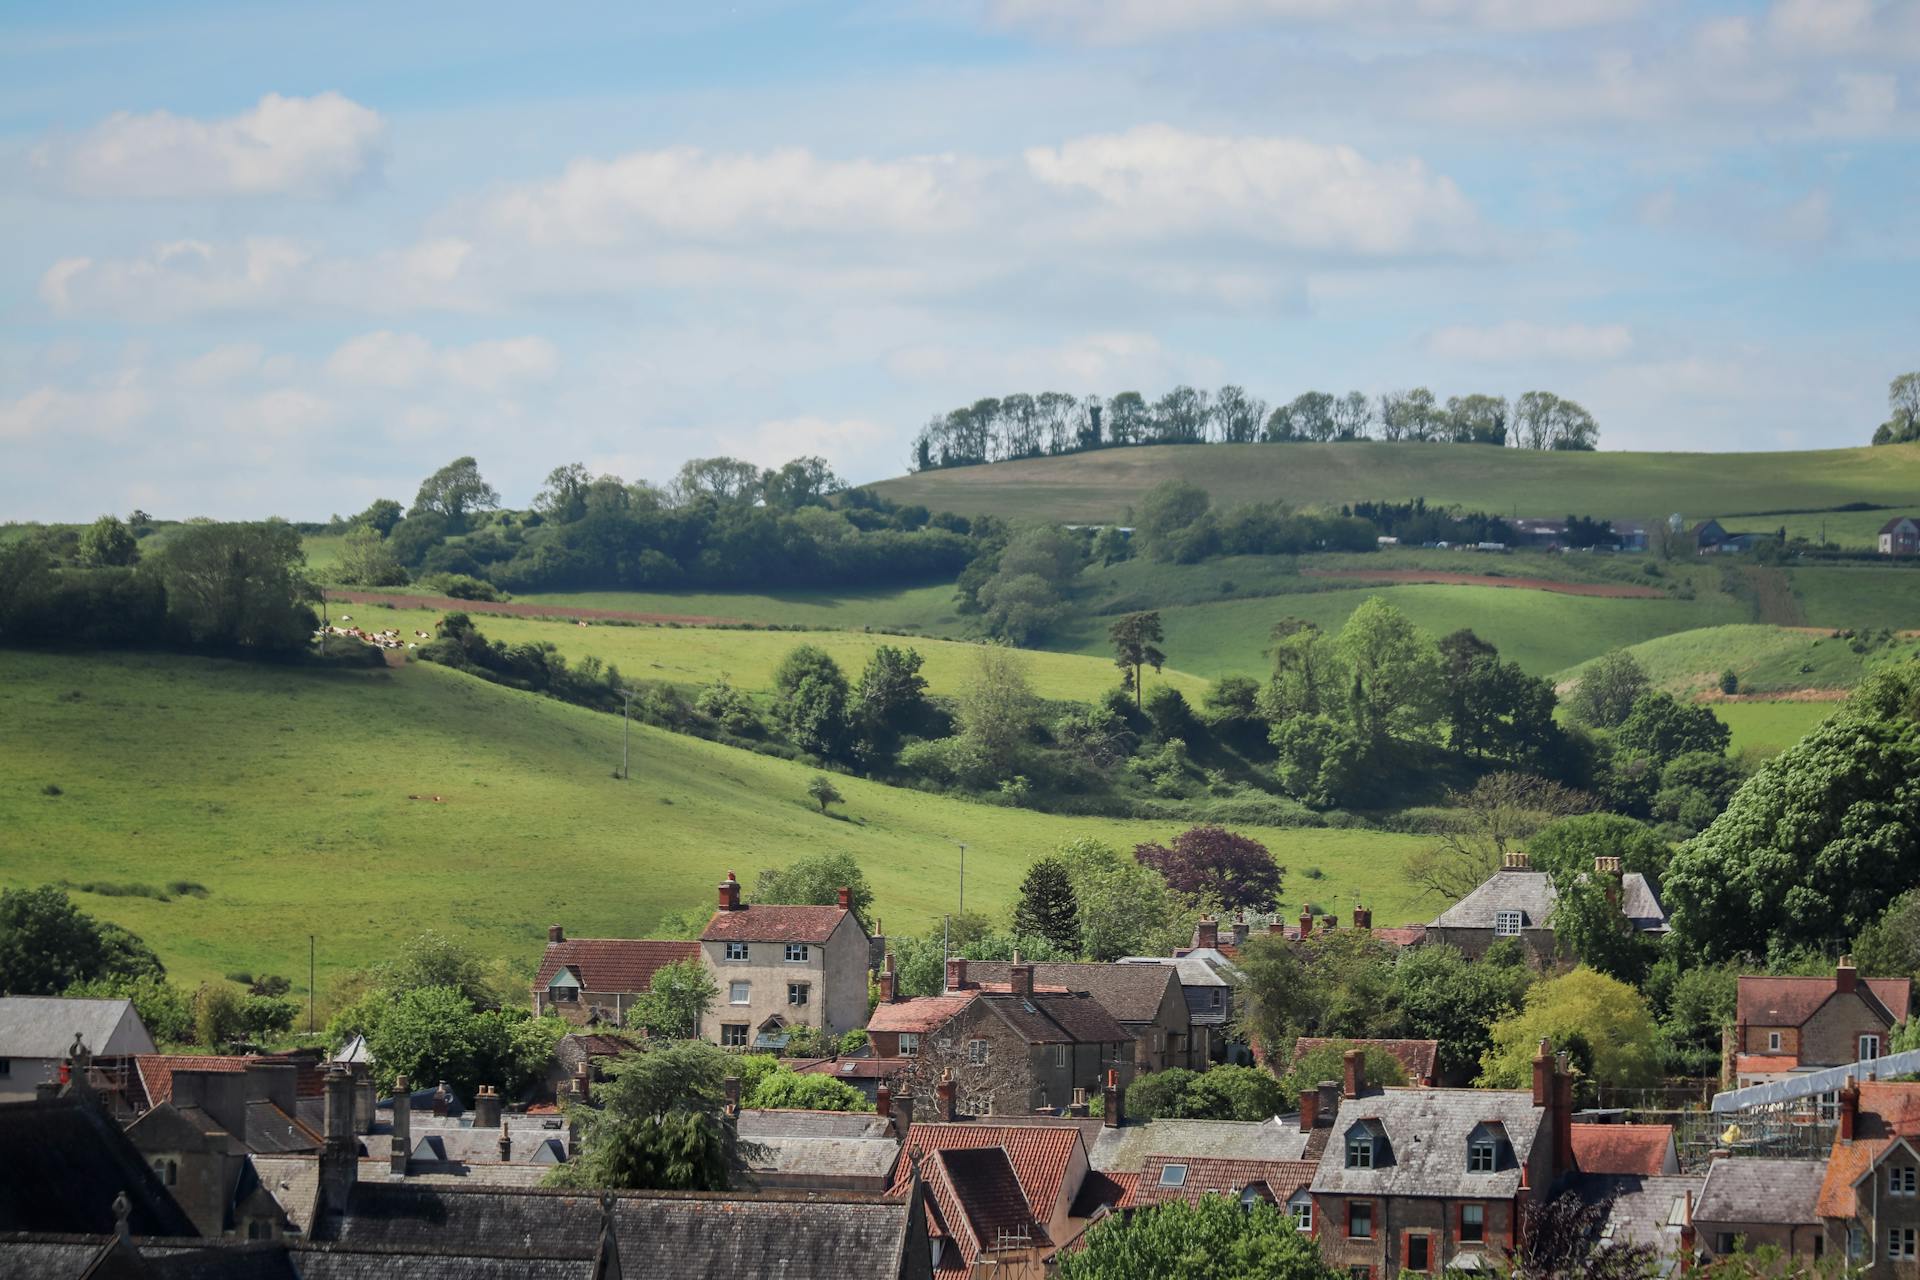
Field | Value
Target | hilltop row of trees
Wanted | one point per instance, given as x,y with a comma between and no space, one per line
1053,422
1903,411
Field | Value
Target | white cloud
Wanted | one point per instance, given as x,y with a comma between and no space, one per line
687,193
227,363
840,441
403,361
1518,341
51,414
1159,180
1120,21
321,145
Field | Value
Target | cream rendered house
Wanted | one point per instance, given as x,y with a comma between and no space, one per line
782,966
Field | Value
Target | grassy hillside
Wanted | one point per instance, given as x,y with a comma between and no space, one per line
700,655
285,791
1100,486
1767,659
1770,726
1859,595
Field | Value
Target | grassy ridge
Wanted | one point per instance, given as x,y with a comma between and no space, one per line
285,791
1767,659
700,655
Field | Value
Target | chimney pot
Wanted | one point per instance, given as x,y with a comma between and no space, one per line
957,973
1020,979
506,1143
1306,924
1354,1063
1332,921
402,1144
1309,1109
1363,917
556,934
1206,934
944,1093
1329,1103
582,1083
1849,1110
730,893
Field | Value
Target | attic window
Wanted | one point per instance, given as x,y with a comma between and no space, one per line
1359,1149
1506,924
1173,1175
1483,1156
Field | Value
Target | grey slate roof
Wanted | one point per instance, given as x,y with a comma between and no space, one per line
1645,1211
1125,1149
43,1026
62,1162
1531,893
1426,1134
1055,1017
1749,1189
871,1158
758,1124
1194,969
1131,993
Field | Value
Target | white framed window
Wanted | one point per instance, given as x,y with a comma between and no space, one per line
736,951
1773,1042
909,1044
1869,1047
797,952
796,993
1360,1151
1901,1180
739,993
1301,1207
1483,1156
563,995
1173,1175
1829,1104
976,1053
1506,924
1059,1055
1902,1242
733,1035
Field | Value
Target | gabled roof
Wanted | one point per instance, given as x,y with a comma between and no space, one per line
1893,525
858,1068
1531,893
1753,1189
65,1161
1130,992
920,1015
1889,1111
1420,1058
978,1204
1101,1190
1790,1001
1194,968
1622,1149
156,1070
1426,1132
1041,1155
1212,1175
1055,1018
775,923
1127,1148
613,964
44,1026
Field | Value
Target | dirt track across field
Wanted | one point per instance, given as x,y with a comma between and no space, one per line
519,610
1608,590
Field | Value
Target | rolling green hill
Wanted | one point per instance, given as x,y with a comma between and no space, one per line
286,791
1100,486
1767,659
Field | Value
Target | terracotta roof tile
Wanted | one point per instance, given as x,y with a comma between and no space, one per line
774,923
1216,1176
156,1071
1846,1164
979,1203
1411,935
1764,1063
1041,1155
919,1015
613,964
1789,1002
1101,1189
1622,1148
858,1068
1420,1058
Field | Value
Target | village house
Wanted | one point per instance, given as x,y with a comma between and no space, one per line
1516,902
1009,1050
783,966
1751,1202
1283,1183
1423,1180
588,980
1900,536
1785,1026
1869,1202
1049,1163
1147,1000
36,1033
821,1150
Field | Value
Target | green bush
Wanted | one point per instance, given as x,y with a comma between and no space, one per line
464,586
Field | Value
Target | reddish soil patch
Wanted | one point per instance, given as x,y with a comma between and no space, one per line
1609,590
1783,695
519,610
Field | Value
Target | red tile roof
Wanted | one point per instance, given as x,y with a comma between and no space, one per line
613,964
773,923
156,1071
1041,1155
1754,1064
1101,1189
978,1204
1888,1111
1622,1149
1409,935
858,1068
1789,1002
919,1015
1212,1175
1420,1058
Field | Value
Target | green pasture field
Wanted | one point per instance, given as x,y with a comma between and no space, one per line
1767,659
748,659
285,791
1865,595
1542,631
1102,486
1767,727
1859,529
928,609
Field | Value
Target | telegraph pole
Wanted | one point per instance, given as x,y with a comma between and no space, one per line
625,731
963,879
309,984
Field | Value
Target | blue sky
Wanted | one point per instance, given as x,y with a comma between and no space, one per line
266,260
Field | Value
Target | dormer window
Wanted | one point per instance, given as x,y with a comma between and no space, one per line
1359,1149
1483,1156
1506,924
564,988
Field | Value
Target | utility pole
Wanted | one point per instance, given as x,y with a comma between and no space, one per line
626,706
309,984
963,879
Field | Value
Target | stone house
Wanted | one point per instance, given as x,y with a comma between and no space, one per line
1869,1203
780,966
1206,985
1147,1000
1785,1026
1900,536
37,1031
1751,1202
1423,1180
1516,902
587,980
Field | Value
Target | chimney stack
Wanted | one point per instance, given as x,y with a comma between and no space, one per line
442,1099
883,1101
486,1107
1849,1109
1329,1106
1330,921
1206,934
1686,1233
1240,930
1276,929
1845,976
582,1083
1354,1067
729,893
1306,923
555,934
846,898
402,1146
1363,917
944,1092
1515,860
340,1157
889,982
337,1095
365,1098
957,973
903,1108
506,1143
1543,1075
1309,1109
1020,979
1112,1101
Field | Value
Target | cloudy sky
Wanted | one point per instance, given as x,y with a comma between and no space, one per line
283,260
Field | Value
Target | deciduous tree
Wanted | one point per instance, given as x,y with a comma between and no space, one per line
1215,1238
454,491
1609,687
1136,642
677,997
1212,862
1606,1016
